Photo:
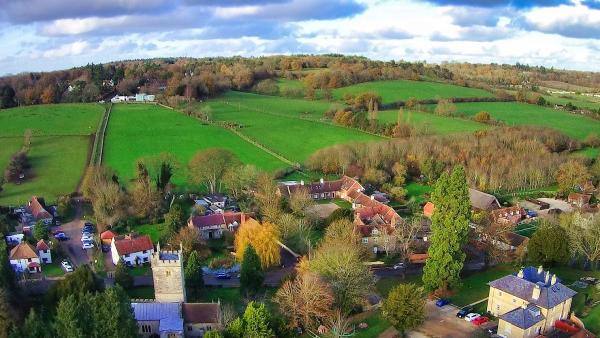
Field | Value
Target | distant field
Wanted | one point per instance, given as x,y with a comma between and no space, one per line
58,163
588,152
402,90
578,101
513,113
291,84
55,119
294,138
431,123
138,130
59,147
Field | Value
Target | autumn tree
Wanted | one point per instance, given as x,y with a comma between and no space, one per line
208,167
405,235
17,165
264,238
445,107
584,236
190,240
571,174
300,200
482,117
450,229
145,198
240,181
267,197
404,307
305,301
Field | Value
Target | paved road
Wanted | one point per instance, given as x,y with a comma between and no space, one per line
442,322
72,247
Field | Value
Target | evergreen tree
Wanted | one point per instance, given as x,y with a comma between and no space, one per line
175,219
40,231
122,276
34,326
6,319
7,274
68,318
213,334
404,307
114,315
235,329
193,271
251,272
257,321
450,229
549,245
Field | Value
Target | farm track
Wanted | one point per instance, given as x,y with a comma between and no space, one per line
303,119
98,149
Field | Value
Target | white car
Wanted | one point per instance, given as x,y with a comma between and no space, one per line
472,316
87,238
66,266
398,266
87,245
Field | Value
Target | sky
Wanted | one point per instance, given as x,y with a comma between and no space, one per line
43,35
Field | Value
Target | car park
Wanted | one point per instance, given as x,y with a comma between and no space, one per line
66,265
87,238
480,320
88,230
223,275
472,316
464,311
442,301
87,245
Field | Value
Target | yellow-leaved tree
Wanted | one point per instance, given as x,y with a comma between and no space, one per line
264,239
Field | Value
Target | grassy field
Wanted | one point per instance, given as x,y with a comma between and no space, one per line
283,84
285,133
55,119
588,152
432,124
474,286
136,131
155,231
417,191
59,148
576,100
58,163
513,113
402,90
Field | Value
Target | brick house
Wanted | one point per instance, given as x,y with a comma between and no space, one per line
131,249
24,258
213,226
508,216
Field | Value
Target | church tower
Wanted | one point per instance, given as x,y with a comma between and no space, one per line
167,273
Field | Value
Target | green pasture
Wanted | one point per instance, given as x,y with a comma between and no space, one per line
579,101
51,119
402,90
588,152
283,84
8,147
278,127
429,123
513,113
137,130
58,163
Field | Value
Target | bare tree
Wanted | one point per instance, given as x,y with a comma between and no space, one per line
405,235
584,237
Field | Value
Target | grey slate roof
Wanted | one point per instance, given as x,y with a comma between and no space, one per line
482,201
524,318
168,315
550,295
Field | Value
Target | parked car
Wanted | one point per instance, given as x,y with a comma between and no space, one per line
66,266
480,320
531,213
61,236
399,266
87,245
88,229
88,224
464,311
566,326
223,275
442,301
472,316
87,238
106,248
492,329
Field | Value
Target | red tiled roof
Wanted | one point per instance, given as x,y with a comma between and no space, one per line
428,209
107,235
579,198
208,220
231,217
42,245
33,265
23,251
201,313
37,210
127,245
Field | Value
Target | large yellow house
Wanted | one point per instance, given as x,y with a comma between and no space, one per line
528,303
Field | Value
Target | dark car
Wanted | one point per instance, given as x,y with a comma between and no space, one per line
105,248
223,275
442,301
464,311
88,230
89,224
492,329
61,236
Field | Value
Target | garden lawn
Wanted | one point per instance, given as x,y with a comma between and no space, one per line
376,325
155,231
474,286
513,113
140,270
417,191
52,270
429,123
588,152
402,90
295,139
139,130
58,163
51,119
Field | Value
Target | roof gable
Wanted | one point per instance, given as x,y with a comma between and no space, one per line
127,245
23,251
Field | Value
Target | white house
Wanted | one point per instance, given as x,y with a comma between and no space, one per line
118,98
23,258
14,238
218,200
44,251
143,97
132,250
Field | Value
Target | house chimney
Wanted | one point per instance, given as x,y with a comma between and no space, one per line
301,182
242,218
536,292
128,236
547,277
554,280
521,274
322,180
372,197
540,269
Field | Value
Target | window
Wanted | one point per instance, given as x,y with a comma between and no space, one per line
499,293
497,307
146,328
365,240
190,328
514,300
208,327
168,273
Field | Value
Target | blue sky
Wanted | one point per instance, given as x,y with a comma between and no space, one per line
55,34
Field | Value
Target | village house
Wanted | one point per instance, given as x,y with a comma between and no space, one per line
43,250
508,216
200,318
133,250
528,303
14,238
480,201
38,211
106,237
23,258
218,200
213,226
